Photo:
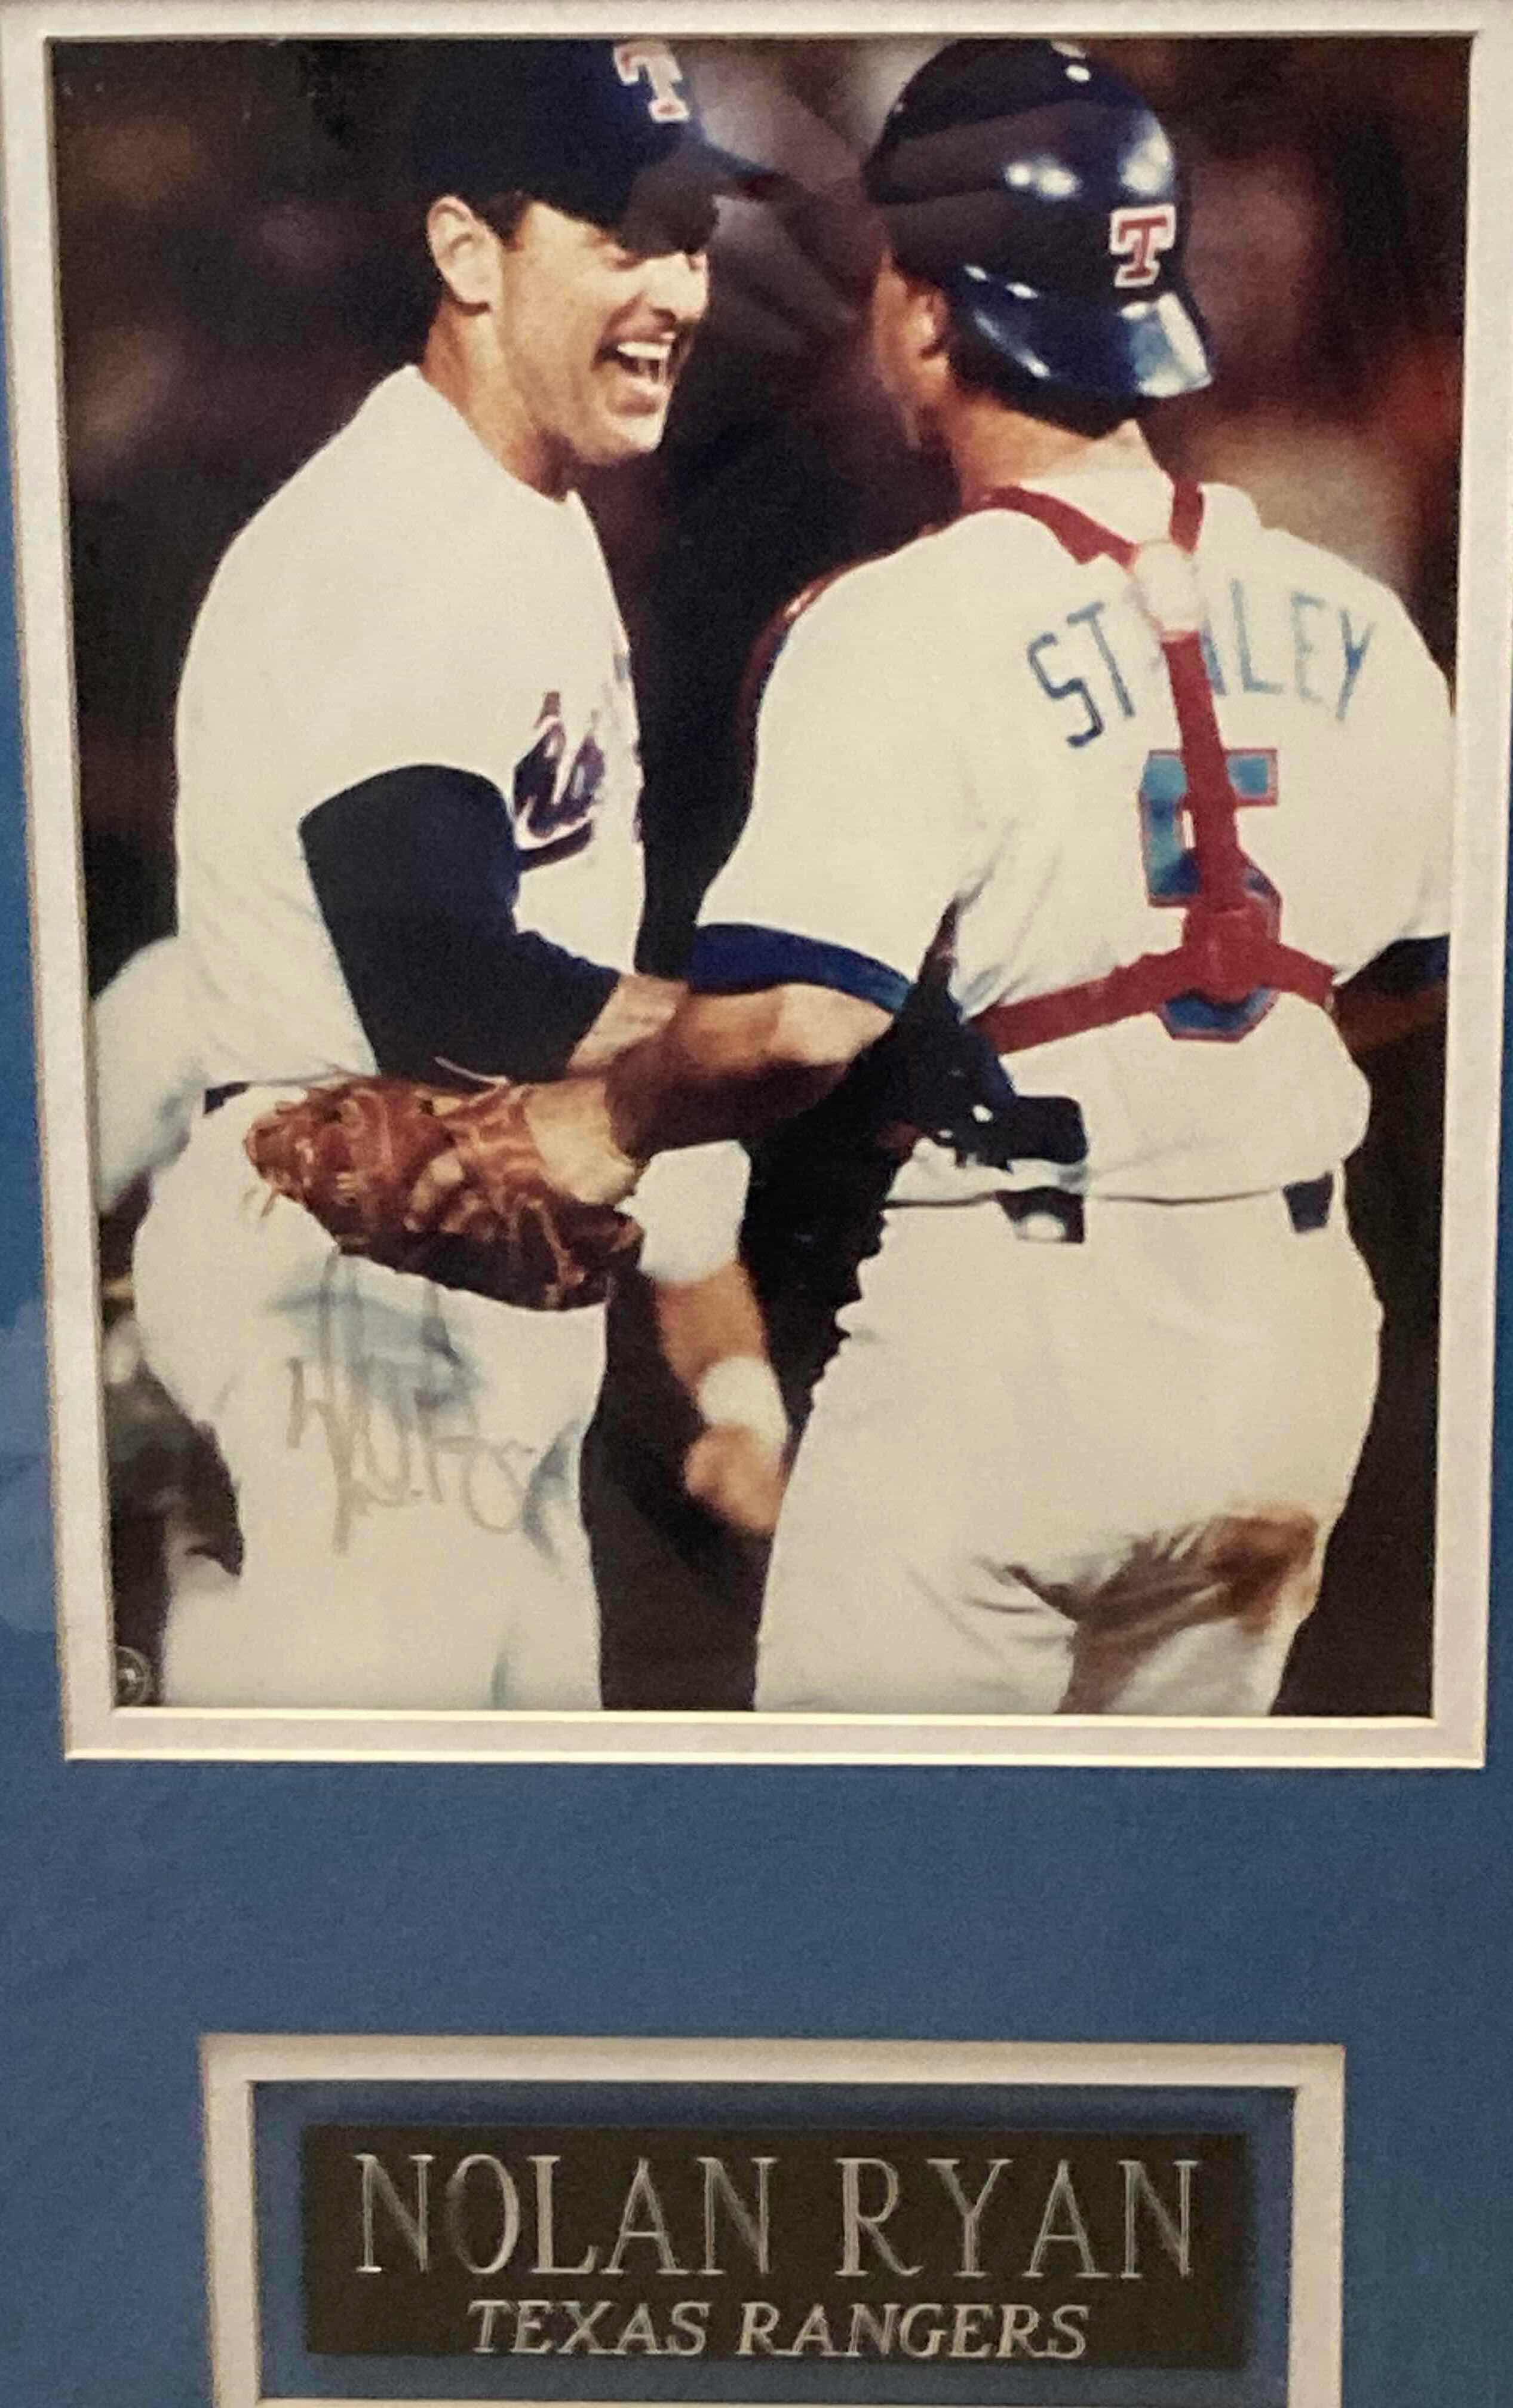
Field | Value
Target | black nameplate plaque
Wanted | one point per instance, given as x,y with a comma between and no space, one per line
959,2247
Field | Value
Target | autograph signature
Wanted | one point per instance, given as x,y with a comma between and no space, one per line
394,1438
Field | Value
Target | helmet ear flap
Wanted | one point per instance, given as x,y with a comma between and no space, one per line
980,364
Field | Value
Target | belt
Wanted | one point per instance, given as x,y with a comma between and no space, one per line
1053,1216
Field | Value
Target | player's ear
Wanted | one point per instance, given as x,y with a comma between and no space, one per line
464,249
930,314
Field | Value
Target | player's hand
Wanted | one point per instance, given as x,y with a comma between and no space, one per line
559,1139
737,1476
569,1120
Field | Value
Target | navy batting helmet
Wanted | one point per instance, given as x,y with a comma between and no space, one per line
1039,192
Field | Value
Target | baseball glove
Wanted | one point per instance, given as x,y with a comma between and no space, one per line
449,1186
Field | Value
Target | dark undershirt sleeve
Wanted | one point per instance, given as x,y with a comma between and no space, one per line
417,877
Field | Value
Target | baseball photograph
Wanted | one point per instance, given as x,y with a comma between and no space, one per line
749,785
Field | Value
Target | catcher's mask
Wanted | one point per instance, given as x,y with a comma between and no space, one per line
1041,194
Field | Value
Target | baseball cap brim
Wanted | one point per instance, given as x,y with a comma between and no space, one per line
724,171
669,205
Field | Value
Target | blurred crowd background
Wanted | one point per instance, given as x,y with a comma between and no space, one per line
237,270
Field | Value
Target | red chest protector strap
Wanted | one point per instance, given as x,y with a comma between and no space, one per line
1230,946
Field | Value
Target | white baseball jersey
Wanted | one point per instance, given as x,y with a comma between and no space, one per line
403,600
980,725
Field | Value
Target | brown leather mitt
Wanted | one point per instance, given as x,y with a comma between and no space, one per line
449,1186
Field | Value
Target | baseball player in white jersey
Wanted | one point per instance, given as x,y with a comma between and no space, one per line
1141,782
407,839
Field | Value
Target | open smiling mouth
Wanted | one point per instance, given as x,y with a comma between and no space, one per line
651,363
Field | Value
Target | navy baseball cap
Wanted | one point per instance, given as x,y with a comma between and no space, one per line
602,130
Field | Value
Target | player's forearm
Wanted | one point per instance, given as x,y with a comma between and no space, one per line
724,1066
715,1343
637,1008
707,1321
733,1066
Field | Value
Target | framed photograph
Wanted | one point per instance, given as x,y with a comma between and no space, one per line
377,679
1080,1193
432,2220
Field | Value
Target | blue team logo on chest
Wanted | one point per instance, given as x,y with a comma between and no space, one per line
553,798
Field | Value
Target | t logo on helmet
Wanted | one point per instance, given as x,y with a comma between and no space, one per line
1137,236
655,62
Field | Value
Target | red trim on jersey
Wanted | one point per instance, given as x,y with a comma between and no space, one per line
1074,530
1187,513
1227,949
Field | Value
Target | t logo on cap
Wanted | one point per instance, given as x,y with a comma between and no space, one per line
655,62
1138,237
